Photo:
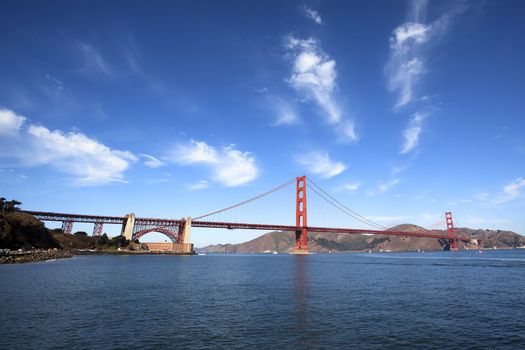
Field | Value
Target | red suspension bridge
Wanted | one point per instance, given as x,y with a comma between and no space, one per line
178,230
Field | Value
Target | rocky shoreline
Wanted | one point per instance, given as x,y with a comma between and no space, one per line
34,256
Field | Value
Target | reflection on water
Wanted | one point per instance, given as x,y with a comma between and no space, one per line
300,297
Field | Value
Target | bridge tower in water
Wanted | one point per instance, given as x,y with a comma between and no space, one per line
301,235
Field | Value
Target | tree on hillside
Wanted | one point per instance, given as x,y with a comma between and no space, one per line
9,206
12,206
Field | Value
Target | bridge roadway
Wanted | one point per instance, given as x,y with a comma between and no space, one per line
50,216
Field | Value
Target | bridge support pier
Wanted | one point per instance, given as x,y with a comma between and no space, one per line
186,232
184,235
67,226
97,230
129,225
301,236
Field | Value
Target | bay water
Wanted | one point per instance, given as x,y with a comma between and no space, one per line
430,300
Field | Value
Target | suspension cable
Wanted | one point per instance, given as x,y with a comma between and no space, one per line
248,200
455,220
344,208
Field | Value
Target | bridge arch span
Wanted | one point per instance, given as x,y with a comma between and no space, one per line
172,235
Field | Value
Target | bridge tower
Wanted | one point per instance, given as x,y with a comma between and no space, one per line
451,231
301,235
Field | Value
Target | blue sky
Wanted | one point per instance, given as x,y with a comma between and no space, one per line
401,110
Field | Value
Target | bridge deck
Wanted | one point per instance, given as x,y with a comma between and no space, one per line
49,216
232,226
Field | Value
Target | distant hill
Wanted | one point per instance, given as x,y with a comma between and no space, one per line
494,238
283,242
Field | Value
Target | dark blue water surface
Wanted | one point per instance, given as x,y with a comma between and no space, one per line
441,300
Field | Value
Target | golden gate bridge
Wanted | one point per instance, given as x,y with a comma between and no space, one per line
179,230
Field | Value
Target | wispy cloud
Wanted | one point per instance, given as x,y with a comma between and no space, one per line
94,62
405,66
412,133
152,162
321,164
228,165
312,14
350,186
383,186
201,185
390,219
283,110
314,75
477,220
407,63
511,191
87,160
407,43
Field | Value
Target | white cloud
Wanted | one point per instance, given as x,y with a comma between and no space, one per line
417,32
10,122
312,14
314,75
194,153
320,164
87,160
152,162
201,185
229,166
236,167
412,133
